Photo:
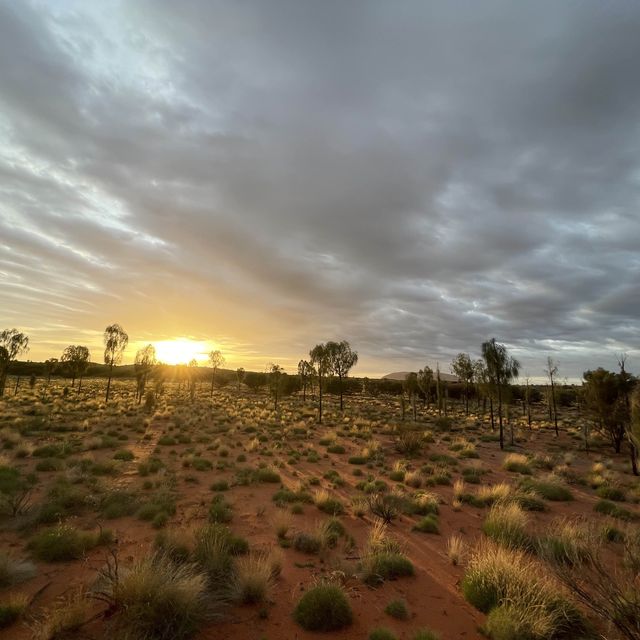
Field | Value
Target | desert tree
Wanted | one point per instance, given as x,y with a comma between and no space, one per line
50,366
425,382
143,365
192,376
552,372
320,359
76,358
276,380
410,386
216,360
12,344
240,372
439,394
306,372
501,370
481,383
462,366
527,400
634,427
115,342
342,359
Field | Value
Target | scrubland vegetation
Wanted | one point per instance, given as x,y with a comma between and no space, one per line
214,511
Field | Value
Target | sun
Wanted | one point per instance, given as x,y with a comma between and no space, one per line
182,350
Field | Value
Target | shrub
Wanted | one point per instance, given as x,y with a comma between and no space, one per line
64,618
267,475
428,524
565,543
324,607
382,634
124,454
456,549
326,503
307,542
387,507
336,448
426,634
552,488
65,543
12,609
397,609
220,510
506,524
157,599
386,566
611,493
174,544
609,508
409,443
252,579
15,490
516,462
213,552
496,575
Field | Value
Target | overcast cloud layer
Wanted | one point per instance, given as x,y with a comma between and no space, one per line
415,177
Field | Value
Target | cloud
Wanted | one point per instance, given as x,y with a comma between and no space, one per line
414,178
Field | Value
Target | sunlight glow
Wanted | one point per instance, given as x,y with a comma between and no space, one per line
183,350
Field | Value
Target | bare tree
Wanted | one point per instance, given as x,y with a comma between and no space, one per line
552,372
343,359
192,369
143,365
12,344
216,360
276,378
320,358
115,342
76,357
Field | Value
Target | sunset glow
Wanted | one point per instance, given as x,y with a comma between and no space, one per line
182,351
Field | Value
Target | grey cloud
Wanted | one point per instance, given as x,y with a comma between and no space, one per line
413,177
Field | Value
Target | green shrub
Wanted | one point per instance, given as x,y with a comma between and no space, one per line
12,610
611,493
397,609
267,475
63,543
220,510
220,485
124,454
386,566
336,448
382,634
428,524
550,489
307,542
324,607
609,508
426,634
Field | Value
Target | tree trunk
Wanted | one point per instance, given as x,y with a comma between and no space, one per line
340,384
634,457
493,422
319,399
466,398
109,382
500,416
79,384
15,391
213,379
555,412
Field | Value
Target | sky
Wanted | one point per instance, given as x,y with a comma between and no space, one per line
259,176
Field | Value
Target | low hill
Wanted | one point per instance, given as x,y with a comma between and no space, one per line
401,375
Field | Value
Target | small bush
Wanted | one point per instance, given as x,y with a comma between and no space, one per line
307,542
252,579
516,462
63,543
611,493
397,609
426,634
323,607
386,566
12,609
14,571
220,510
428,524
124,454
382,634
609,508
552,488
506,524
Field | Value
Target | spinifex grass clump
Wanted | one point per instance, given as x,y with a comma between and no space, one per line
156,598
324,607
506,524
382,558
521,600
63,543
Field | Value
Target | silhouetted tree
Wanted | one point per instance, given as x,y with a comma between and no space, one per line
143,366
192,375
552,371
320,358
276,382
239,376
76,358
462,366
50,366
342,359
12,344
306,373
115,342
255,380
501,370
216,360
438,389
